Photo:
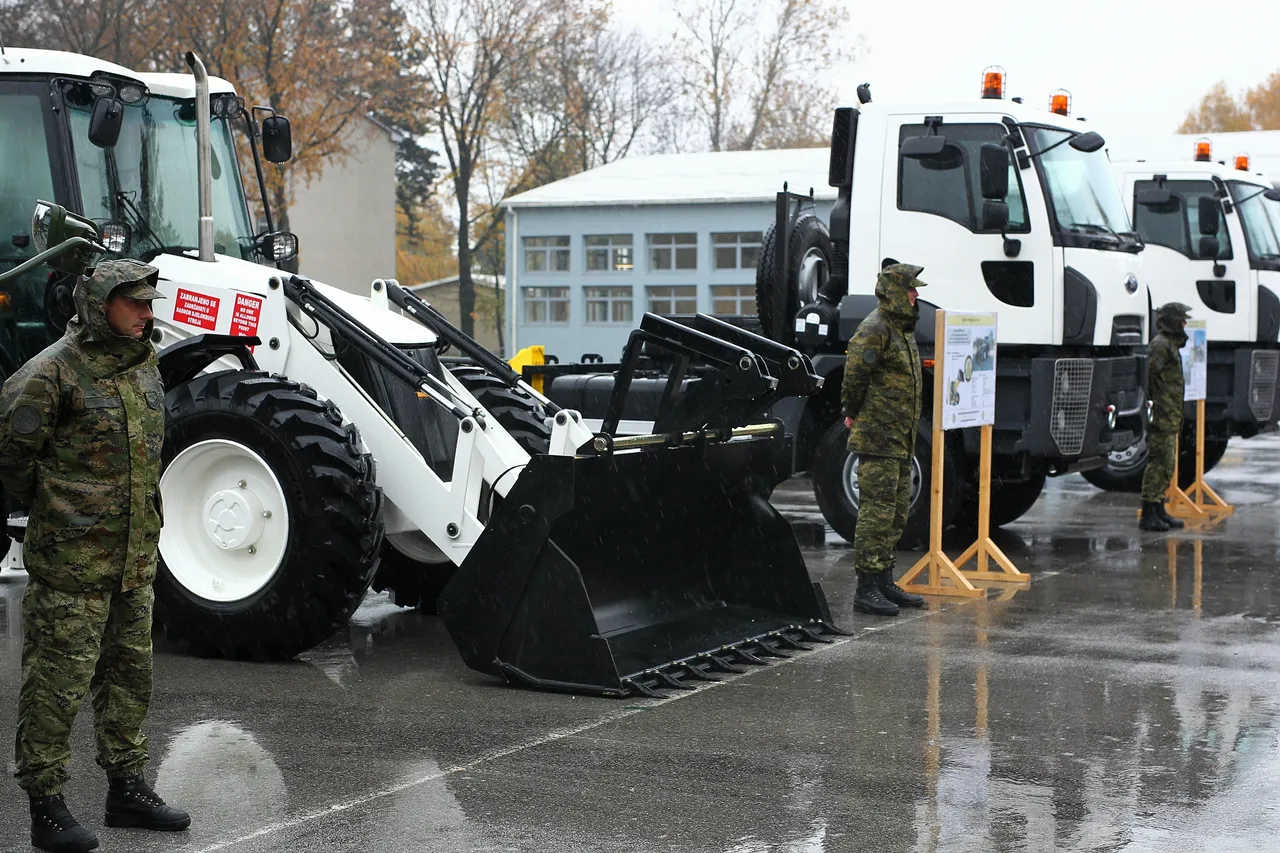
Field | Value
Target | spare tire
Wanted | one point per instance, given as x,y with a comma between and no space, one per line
272,517
809,265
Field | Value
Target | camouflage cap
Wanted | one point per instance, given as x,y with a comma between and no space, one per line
1176,310
128,277
904,274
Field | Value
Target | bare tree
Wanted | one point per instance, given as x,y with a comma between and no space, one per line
469,46
746,60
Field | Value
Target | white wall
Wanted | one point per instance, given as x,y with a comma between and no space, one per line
346,218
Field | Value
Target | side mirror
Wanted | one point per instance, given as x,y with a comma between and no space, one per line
277,140
1209,212
1154,198
1209,248
923,147
105,122
1087,142
1272,195
995,215
993,174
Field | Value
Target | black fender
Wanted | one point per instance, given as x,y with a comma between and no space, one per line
183,361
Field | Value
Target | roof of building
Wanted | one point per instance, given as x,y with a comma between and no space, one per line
699,178
479,279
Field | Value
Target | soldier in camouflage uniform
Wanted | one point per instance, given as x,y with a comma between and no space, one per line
881,400
1165,391
81,426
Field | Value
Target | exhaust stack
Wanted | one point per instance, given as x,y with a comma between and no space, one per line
203,147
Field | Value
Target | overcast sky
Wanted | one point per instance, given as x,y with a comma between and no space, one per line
1132,66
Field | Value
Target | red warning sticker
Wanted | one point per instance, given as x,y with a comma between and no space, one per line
196,309
244,319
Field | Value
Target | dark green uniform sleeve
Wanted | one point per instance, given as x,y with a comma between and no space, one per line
862,362
28,414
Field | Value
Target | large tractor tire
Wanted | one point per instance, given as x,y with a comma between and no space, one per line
517,412
272,518
810,263
1123,473
835,486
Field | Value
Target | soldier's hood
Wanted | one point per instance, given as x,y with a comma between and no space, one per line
90,328
1171,326
891,291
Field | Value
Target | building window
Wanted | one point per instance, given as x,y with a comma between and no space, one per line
546,304
609,252
733,298
608,304
736,251
673,251
673,299
546,254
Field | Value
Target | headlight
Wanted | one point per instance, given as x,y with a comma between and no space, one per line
278,246
133,93
40,222
115,236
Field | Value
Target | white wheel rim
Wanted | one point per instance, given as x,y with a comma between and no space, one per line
226,521
813,275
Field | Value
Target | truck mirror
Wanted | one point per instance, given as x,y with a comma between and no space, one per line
277,140
1209,248
1087,142
1209,211
923,147
105,122
1272,195
995,215
1154,198
993,174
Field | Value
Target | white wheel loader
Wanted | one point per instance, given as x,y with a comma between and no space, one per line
316,444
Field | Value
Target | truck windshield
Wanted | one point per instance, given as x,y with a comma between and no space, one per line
1261,219
149,179
1085,200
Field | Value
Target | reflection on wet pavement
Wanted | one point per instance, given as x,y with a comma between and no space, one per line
1127,699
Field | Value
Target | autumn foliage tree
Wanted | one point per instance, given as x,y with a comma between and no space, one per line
1219,111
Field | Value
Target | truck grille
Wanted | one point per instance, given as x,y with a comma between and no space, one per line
1263,371
1124,374
1069,414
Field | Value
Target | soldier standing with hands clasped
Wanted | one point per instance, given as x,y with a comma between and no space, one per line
1165,391
81,426
881,399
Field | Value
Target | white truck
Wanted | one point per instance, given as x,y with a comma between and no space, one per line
316,444
1212,233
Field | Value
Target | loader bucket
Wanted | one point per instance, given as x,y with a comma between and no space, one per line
620,573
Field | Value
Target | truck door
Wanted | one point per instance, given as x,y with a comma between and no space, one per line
931,215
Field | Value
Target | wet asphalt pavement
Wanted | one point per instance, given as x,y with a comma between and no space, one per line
1128,699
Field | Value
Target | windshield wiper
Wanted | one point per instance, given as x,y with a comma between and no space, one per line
141,224
1093,228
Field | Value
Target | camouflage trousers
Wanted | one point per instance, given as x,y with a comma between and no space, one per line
73,644
884,496
1162,450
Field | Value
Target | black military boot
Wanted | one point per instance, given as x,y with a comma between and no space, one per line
897,594
1174,523
132,803
870,597
1151,518
54,829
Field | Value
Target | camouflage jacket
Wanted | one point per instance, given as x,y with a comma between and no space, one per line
81,427
882,376
1164,376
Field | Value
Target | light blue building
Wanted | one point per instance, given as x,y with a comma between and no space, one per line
673,233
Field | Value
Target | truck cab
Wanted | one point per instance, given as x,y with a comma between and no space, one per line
1212,232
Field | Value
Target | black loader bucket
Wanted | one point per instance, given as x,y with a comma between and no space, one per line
618,573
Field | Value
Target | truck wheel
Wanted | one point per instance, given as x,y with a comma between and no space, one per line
1124,472
517,412
1010,500
835,486
810,264
272,517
